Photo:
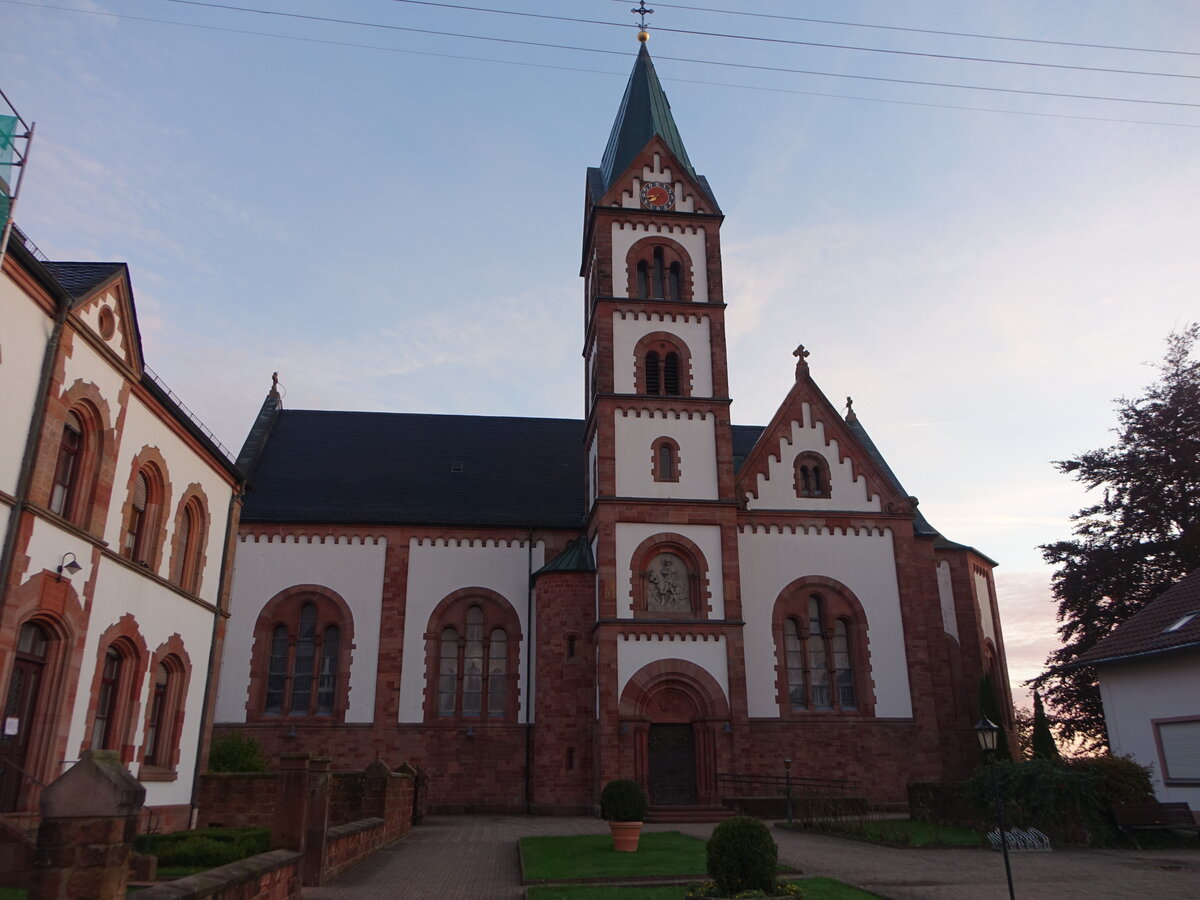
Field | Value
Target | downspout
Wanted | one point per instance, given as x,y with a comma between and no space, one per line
37,420
528,677
206,713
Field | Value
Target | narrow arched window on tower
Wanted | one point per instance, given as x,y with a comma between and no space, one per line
659,268
643,279
652,374
666,463
671,375
674,281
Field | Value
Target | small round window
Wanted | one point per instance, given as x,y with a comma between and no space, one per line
108,323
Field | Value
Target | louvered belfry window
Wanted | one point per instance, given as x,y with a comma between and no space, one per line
653,376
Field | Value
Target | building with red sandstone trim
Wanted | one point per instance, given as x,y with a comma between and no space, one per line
119,512
528,608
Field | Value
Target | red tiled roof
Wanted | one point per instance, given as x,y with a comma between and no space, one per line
1146,632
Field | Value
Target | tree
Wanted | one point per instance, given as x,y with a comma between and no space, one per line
1141,537
1023,719
1041,744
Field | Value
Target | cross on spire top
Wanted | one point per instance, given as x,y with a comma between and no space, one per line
640,10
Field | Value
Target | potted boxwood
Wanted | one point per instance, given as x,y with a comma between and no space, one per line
623,805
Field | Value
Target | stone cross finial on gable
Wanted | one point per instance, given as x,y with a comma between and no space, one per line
801,360
850,414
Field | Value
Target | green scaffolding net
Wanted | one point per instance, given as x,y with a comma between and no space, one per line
8,135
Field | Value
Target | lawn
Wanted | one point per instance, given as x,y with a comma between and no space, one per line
900,832
660,853
813,888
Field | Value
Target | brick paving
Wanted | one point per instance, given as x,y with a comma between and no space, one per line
475,858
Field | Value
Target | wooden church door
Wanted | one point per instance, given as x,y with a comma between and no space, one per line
671,760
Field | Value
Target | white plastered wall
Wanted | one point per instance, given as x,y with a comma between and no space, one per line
90,316
350,567
777,489
864,561
695,433
946,595
437,569
690,238
23,338
693,330
142,429
159,613
706,651
706,537
656,171
1136,693
986,614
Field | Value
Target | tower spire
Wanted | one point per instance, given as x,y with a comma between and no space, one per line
644,113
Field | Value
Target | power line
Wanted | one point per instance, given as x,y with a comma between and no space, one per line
469,58
966,34
703,62
786,41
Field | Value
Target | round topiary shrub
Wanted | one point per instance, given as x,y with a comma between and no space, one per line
623,800
742,856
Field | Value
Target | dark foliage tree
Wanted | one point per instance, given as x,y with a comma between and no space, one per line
1141,537
1042,745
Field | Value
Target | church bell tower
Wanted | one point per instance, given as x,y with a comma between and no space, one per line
661,505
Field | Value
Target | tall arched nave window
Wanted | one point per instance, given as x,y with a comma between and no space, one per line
821,642
473,653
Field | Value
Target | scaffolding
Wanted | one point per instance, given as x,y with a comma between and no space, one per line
15,137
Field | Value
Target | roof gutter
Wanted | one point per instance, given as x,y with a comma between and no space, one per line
36,420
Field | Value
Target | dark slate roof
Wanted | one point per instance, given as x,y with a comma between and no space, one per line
920,525
644,113
576,557
1145,633
744,439
406,468
81,278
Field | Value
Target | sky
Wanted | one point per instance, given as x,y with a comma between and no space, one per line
391,218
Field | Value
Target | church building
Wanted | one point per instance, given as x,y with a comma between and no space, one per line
528,608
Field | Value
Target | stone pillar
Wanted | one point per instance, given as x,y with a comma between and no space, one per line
290,822
318,820
375,789
89,820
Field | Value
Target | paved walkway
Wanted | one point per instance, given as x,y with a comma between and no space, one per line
475,858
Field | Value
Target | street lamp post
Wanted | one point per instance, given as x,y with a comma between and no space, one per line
787,770
987,731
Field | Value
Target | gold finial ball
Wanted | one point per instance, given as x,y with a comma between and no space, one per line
643,36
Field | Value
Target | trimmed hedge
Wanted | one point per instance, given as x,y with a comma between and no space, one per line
205,848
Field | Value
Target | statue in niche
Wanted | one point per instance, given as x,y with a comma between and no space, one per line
667,590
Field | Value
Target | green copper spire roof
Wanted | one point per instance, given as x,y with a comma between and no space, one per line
644,113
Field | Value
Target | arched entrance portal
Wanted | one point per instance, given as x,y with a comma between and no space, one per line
675,711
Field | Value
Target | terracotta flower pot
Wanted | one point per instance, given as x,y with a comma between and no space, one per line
625,835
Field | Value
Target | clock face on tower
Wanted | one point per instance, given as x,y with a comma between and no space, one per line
657,195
